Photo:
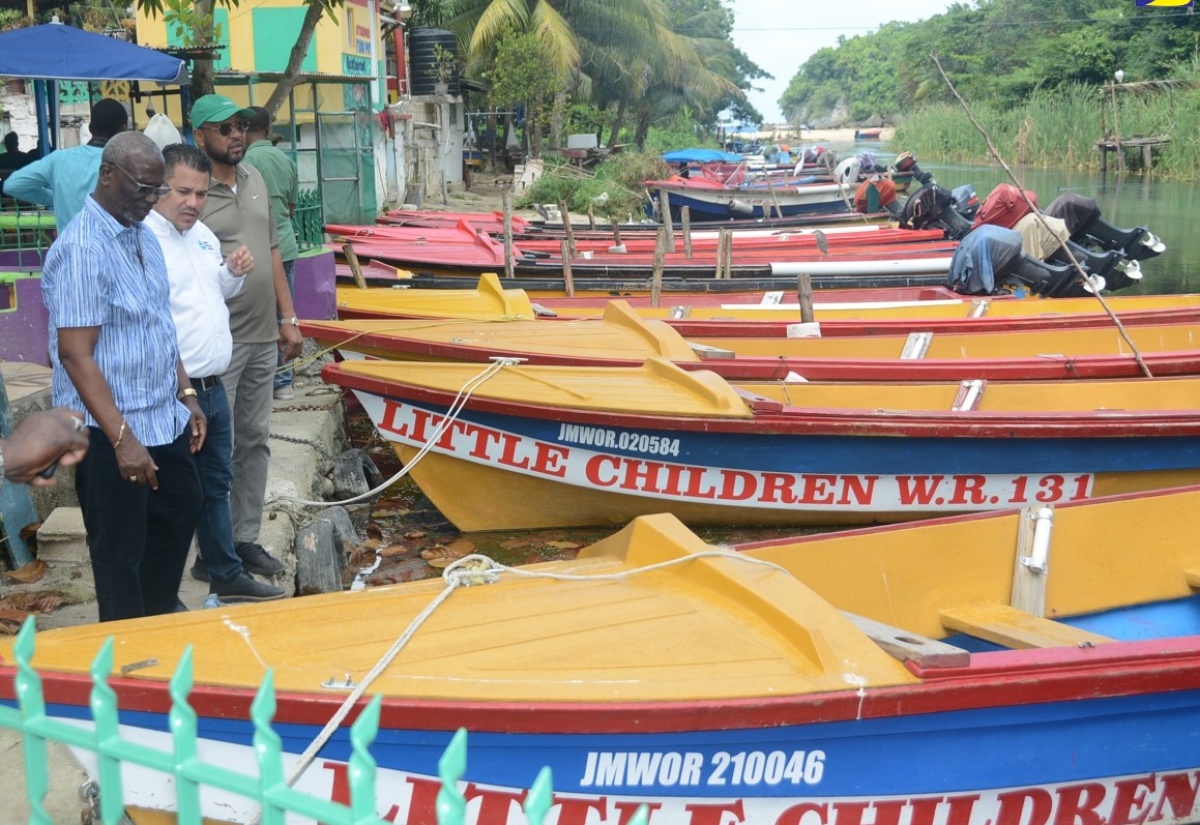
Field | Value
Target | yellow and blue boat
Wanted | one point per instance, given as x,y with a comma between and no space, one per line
1020,668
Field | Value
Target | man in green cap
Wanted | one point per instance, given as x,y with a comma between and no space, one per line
283,182
239,212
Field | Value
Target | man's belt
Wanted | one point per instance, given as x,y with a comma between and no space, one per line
206,384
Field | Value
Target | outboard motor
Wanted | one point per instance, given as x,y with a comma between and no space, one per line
1087,227
966,202
932,207
906,163
989,260
877,193
1004,206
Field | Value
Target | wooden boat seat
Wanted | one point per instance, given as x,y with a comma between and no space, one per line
1009,627
911,647
970,393
916,345
758,403
707,353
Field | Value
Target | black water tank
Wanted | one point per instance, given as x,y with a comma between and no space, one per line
423,50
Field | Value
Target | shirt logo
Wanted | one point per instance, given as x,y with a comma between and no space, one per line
206,246
1178,3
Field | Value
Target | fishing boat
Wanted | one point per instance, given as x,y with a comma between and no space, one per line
854,262
520,447
837,312
621,337
885,675
867,134
709,200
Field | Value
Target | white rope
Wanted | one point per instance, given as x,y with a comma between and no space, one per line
469,571
455,409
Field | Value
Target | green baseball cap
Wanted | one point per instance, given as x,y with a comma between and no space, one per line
216,109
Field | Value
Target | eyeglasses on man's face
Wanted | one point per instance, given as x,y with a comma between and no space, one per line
226,129
144,190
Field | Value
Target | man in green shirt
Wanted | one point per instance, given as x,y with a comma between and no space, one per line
283,183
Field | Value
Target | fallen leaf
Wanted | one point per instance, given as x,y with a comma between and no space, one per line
374,531
29,531
11,621
563,545
416,534
389,513
440,555
393,550
28,573
38,601
514,544
462,546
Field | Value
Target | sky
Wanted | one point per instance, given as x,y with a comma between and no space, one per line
779,35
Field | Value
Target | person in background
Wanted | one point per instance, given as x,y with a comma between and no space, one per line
201,281
283,182
40,442
63,180
114,356
13,158
239,212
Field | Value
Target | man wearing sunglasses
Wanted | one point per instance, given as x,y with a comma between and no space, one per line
239,212
115,355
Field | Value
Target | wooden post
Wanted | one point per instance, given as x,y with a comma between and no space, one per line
1147,156
657,273
616,228
724,256
665,214
591,218
355,268
568,278
804,294
1120,159
774,199
506,202
685,216
568,230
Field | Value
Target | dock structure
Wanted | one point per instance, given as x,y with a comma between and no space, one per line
1147,145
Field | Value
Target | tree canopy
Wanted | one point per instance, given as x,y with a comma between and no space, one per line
995,51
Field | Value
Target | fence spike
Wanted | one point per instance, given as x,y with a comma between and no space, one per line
451,806
268,749
28,688
108,735
362,770
540,797
184,730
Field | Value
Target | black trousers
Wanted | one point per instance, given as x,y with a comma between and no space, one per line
138,538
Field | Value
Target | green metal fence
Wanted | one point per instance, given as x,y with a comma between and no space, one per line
308,221
269,789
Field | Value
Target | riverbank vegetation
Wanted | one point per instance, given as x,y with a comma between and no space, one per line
1038,75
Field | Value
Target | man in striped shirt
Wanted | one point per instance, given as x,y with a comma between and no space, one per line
115,358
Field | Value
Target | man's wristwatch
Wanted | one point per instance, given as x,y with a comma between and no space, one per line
186,391
294,321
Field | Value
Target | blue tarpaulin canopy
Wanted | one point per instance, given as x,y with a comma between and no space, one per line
701,156
59,52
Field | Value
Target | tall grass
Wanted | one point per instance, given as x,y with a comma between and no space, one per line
1060,129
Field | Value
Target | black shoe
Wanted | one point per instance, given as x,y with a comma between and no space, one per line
199,571
246,588
257,560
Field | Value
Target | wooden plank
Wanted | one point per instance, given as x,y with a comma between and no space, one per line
706,352
969,394
1009,627
916,345
920,650
1033,553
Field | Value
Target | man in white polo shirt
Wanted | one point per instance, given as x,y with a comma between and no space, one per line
201,279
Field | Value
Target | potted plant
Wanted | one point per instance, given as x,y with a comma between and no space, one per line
443,67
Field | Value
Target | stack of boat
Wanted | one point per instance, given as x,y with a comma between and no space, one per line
1031,656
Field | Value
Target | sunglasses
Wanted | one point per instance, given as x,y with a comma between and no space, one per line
143,189
226,129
